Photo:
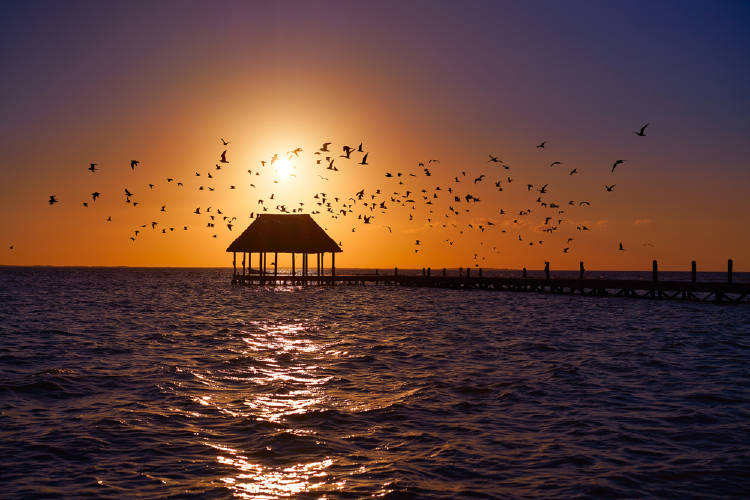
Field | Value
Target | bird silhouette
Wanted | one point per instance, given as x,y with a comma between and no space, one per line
92,167
134,163
541,146
95,195
223,157
609,188
223,142
618,162
364,159
642,131
621,249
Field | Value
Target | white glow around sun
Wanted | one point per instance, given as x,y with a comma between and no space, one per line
283,168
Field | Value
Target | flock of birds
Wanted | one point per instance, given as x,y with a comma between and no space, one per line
443,206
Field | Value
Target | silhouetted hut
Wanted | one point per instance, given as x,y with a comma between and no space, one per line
283,233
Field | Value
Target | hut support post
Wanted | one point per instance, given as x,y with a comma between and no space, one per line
244,255
693,272
293,271
234,265
333,268
276,263
655,271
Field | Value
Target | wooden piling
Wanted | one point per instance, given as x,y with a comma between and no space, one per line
395,271
730,265
693,272
444,272
480,272
546,269
429,271
523,272
276,263
655,271
580,270
294,272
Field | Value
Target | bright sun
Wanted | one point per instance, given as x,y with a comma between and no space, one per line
284,168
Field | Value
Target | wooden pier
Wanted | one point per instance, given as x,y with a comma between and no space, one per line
720,292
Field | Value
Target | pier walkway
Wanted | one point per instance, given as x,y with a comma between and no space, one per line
676,290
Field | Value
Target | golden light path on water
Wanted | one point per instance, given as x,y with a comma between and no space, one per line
277,349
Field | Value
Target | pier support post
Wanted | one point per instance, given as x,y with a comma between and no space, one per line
655,271
480,272
243,263
693,272
468,272
294,272
730,265
395,271
429,271
444,272
276,263
333,268
546,270
580,270
523,272
234,265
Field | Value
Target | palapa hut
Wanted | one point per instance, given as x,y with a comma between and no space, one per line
282,233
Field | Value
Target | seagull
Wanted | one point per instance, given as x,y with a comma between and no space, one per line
493,159
555,163
223,157
134,163
364,158
621,249
95,195
325,147
609,188
92,167
541,146
642,132
618,162
225,143
574,171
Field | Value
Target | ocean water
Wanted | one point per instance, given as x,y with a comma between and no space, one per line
154,383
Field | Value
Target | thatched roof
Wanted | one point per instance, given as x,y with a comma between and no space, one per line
285,233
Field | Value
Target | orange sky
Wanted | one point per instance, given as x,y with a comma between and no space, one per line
680,196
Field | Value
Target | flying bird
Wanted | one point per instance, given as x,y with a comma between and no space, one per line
618,162
642,131
92,167
95,195
364,159
541,146
134,163
223,142
609,188
223,157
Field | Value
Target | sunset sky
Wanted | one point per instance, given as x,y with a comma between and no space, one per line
161,82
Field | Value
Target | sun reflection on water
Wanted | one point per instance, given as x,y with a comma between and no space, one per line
259,481
285,382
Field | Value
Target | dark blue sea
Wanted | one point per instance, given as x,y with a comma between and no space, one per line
153,383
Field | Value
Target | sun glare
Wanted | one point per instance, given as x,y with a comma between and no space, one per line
284,168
